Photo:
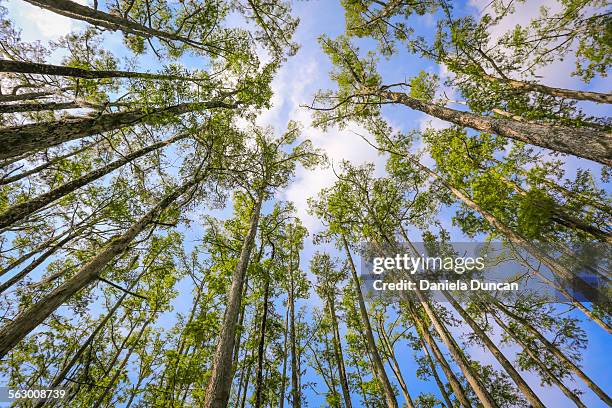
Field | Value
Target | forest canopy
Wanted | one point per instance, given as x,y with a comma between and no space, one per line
190,192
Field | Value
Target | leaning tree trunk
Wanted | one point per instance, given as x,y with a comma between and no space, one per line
37,169
17,140
40,106
59,377
503,361
450,376
121,367
30,318
537,360
25,67
556,352
95,17
217,392
20,211
395,365
589,144
377,361
38,261
559,270
27,96
549,90
434,373
457,354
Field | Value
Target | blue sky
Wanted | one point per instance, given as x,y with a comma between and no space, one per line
295,85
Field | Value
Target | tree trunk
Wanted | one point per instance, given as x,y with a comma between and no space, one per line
38,261
346,394
26,96
450,376
589,144
538,361
29,319
285,352
457,354
556,352
24,67
217,392
121,367
20,211
261,348
434,373
592,293
77,11
37,169
503,361
39,107
296,392
549,90
17,140
59,377
394,365
571,299
378,364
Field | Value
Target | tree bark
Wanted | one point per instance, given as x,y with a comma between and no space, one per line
261,348
588,144
549,90
395,366
25,96
20,211
38,261
95,17
378,364
25,67
39,107
37,169
457,354
503,361
537,360
121,367
217,392
27,320
296,392
346,394
434,373
17,140
285,352
450,376
556,352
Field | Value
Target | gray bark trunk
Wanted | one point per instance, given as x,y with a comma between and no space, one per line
557,353
377,361
17,140
261,349
537,361
217,392
20,211
552,91
24,67
588,144
338,353
30,318
507,365
95,17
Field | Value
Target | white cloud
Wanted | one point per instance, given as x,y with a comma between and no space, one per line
40,24
293,87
